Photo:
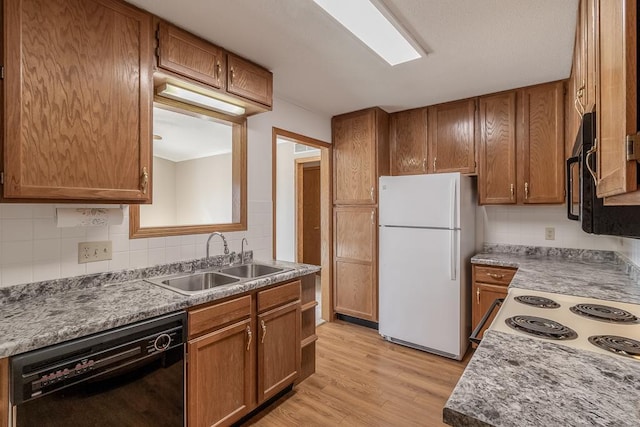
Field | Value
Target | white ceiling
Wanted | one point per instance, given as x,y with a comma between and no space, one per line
474,47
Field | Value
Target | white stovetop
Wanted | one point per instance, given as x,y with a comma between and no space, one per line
583,326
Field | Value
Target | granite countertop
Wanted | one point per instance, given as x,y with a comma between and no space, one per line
37,315
513,380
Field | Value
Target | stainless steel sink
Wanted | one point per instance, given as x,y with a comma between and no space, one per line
193,283
251,271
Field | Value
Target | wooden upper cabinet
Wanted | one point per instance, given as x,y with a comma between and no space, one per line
452,137
249,81
360,149
616,96
497,151
408,142
541,142
77,101
190,56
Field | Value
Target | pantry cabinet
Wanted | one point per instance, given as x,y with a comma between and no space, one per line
408,142
355,262
360,154
452,137
190,56
489,284
241,352
77,101
521,152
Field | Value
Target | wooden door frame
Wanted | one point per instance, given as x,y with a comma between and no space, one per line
326,213
299,167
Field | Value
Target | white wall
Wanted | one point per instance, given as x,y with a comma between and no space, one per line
210,176
631,249
163,210
33,249
525,225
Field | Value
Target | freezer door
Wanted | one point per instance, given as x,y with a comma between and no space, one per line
420,200
420,288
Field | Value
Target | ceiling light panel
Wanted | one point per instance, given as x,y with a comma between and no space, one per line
373,28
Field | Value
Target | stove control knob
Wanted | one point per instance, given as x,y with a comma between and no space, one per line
162,342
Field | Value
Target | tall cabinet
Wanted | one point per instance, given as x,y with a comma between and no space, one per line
361,155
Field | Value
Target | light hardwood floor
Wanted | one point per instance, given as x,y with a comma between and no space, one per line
361,380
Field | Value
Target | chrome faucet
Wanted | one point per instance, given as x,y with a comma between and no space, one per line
244,240
215,233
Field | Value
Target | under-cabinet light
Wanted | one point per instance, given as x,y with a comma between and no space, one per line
375,27
185,95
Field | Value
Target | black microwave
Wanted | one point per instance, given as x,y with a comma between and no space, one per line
596,218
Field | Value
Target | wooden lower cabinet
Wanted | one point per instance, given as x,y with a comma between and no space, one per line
241,352
220,375
278,349
4,392
489,284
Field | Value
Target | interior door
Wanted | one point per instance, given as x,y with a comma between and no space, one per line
311,215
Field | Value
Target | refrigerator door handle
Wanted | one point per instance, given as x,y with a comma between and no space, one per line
452,255
452,205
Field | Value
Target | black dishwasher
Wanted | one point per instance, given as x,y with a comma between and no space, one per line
128,376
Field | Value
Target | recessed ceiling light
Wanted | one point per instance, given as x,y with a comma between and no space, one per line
185,95
375,27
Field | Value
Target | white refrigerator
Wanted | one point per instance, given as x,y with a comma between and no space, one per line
426,240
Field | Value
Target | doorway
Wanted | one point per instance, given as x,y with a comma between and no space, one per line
302,208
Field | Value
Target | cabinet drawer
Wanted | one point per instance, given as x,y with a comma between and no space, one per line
215,316
496,275
278,296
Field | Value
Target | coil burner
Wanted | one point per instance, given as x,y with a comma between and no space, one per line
536,301
618,345
540,327
604,313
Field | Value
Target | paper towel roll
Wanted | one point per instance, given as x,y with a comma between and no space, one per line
88,217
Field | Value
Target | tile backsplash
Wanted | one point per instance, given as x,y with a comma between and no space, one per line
32,248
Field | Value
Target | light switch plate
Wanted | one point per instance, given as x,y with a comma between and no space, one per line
94,251
550,233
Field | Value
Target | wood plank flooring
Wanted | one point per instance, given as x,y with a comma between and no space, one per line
362,380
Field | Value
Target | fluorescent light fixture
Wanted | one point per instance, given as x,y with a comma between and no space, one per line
375,27
185,95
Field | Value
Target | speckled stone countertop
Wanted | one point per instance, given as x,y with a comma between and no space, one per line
40,314
513,380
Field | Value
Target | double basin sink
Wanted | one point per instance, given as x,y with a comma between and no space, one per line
189,284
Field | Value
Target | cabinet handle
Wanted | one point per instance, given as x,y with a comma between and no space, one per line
526,190
249,337
495,276
434,163
587,160
372,218
371,193
231,76
219,69
264,331
512,188
144,180
577,103
478,296
424,165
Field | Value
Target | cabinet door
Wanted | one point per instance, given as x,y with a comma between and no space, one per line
452,137
190,56
483,296
616,96
356,248
278,349
220,375
589,61
354,151
497,156
541,144
77,100
249,80
408,142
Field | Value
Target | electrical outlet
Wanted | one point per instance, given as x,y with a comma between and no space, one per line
550,233
94,251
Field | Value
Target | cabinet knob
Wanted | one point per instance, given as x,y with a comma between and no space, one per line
264,331
249,337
